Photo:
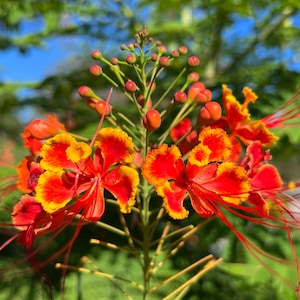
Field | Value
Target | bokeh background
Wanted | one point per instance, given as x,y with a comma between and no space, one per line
45,49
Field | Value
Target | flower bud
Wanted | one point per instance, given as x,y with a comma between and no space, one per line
210,113
203,96
193,77
130,59
95,70
87,92
96,55
154,57
175,53
130,86
180,97
194,89
164,61
183,50
152,120
44,129
102,107
193,61
114,60
141,102
123,47
162,49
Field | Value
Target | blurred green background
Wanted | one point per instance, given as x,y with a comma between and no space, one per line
45,56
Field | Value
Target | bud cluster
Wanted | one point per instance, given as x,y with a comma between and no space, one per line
140,75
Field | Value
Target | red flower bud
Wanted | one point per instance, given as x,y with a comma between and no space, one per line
114,60
152,120
162,49
164,61
180,97
183,50
194,89
193,77
130,59
96,54
193,61
95,70
210,113
203,96
175,53
44,129
87,92
141,102
91,102
102,107
123,47
130,86
154,57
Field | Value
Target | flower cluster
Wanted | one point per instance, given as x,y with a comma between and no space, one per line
178,145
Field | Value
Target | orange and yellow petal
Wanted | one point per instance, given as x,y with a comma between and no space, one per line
116,146
122,182
230,182
53,153
250,96
78,151
236,113
217,140
173,197
256,131
53,192
199,156
162,164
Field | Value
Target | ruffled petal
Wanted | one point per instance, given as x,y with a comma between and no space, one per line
53,192
53,153
116,146
122,182
173,196
200,203
199,156
235,112
217,140
256,131
231,183
162,164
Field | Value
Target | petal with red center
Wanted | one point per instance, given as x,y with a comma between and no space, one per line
231,183
25,212
116,146
53,192
53,153
162,164
122,182
256,131
199,156
173,196
266,179
217,140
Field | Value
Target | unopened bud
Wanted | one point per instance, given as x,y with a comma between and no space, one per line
87,92
130,59
152,120
96,54
164,61
183,50
102,107
193,77
114,60
180,97
95,70
130,86
210,113
193,61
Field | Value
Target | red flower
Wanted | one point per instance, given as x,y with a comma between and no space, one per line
70,173
206,178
